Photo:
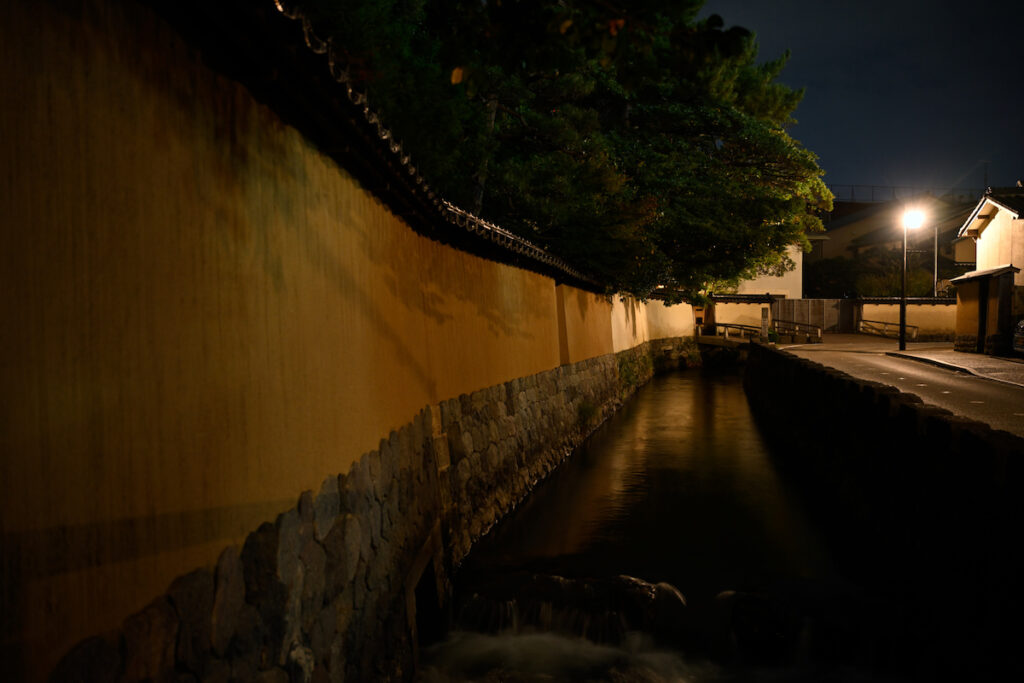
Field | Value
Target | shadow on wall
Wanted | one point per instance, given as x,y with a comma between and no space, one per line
437,283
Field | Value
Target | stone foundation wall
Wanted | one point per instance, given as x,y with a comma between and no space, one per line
330,590
918,504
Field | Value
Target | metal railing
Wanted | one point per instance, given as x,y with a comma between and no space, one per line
882,328
795,328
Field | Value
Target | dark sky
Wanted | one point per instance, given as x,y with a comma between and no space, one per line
900,93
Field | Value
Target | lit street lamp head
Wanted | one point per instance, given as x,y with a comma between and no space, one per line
913,219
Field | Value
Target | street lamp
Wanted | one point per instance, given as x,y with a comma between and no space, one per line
912,220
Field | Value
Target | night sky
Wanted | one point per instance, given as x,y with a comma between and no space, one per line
900,93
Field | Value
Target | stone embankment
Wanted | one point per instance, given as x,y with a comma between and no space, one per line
331,589
920,505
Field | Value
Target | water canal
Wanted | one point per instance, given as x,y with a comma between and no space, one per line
678,492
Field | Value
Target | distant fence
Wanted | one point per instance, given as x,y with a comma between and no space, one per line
935,317
885,193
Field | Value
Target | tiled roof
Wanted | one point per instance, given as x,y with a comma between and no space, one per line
1008,198
1011,198
271,47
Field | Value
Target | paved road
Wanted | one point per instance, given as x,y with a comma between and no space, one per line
997,400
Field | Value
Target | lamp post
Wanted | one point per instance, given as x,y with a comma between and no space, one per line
912,219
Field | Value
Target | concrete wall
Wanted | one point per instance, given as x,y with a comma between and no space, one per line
932,320
205,317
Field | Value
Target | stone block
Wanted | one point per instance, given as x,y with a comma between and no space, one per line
149,640
314,565
229,596
442,456
216,671
263,589
327,507
373,467
94,660
451,414
192,597
275,675
373,524
290,538
492,460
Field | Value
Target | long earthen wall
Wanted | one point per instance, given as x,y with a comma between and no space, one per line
204,317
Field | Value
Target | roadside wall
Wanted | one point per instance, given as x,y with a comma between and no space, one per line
739,313
934,321
206,317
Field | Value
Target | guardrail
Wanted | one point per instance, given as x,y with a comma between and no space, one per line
882,328
791,327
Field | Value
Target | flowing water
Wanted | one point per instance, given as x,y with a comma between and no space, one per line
675,496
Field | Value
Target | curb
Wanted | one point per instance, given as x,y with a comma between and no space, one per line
951,366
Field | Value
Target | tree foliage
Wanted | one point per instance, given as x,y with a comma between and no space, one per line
644,146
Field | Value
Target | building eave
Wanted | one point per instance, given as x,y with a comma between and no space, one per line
981,274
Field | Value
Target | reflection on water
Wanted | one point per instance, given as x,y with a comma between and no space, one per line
677,487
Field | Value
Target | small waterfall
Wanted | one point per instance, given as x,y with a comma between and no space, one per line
524,626
603,611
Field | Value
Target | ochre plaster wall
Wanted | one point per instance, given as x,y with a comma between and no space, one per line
669,321
205,316
967,308
930,319
629,323
739,313
587,323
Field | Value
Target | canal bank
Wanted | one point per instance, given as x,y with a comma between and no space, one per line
676,499
919,504
841,529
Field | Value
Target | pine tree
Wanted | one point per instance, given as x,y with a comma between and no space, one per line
643,146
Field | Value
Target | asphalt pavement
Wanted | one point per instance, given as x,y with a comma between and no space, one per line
980,387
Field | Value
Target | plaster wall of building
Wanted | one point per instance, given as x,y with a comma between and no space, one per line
789,285
1002,243
1017,249
207,316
